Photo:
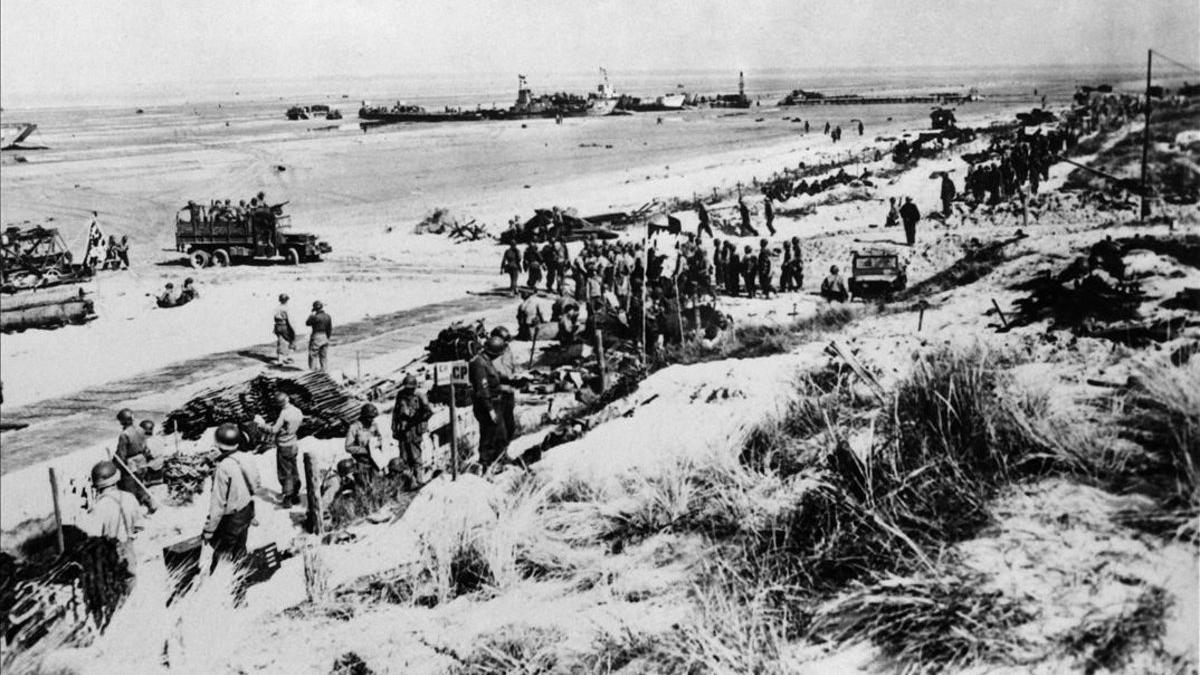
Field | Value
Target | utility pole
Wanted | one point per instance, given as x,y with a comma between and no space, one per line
1145,207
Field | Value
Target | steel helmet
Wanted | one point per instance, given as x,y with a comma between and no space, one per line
495,345
369,411
125,416
283,297
502,332
104,474
409,382
227,437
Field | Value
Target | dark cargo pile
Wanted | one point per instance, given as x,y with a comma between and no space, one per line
328,409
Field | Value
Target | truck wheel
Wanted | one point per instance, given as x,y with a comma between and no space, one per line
292,256
220,258
199,259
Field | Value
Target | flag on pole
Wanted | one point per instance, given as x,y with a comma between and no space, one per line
95,253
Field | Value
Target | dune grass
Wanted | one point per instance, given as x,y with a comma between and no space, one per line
765,339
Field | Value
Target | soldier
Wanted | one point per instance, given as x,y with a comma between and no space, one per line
550,260
949,192
733,270
744,211
410,423
188,293
893,214
533,266
285,334
749,271
364,438
563,256
705,222
287,446
318,341
510,264
785,270
114,513
769,214
910,215
487,406
166,299
720,258
133,455
231,507
764,269
833,287
797,265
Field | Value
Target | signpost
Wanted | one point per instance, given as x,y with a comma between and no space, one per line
449,374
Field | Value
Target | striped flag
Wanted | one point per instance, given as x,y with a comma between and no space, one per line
96,250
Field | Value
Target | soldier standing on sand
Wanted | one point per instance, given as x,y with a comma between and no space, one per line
550,260
763,265
910,215
893,214
410,423
744,211
533,265
285,334
487,406
511,265
733,270
785,270
705,223
231,509
749,271
287,446
318,339
114,513
133,454
769,214
797,265
949,192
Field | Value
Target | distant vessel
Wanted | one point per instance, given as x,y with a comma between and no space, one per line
306,112
604,100
664,103
738,100
560,104
13,133
802,97
377,115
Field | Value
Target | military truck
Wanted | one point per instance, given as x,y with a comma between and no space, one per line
224,236
876,273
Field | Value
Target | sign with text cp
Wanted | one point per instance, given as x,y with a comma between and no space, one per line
447,373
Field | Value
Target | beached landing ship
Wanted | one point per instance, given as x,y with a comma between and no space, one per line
378,115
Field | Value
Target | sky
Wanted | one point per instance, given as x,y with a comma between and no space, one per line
54,45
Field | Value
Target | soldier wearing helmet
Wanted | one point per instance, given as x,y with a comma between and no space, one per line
235,481
114,513
285,433
285,334
410,423
365,438
133,455
487,402
318,341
